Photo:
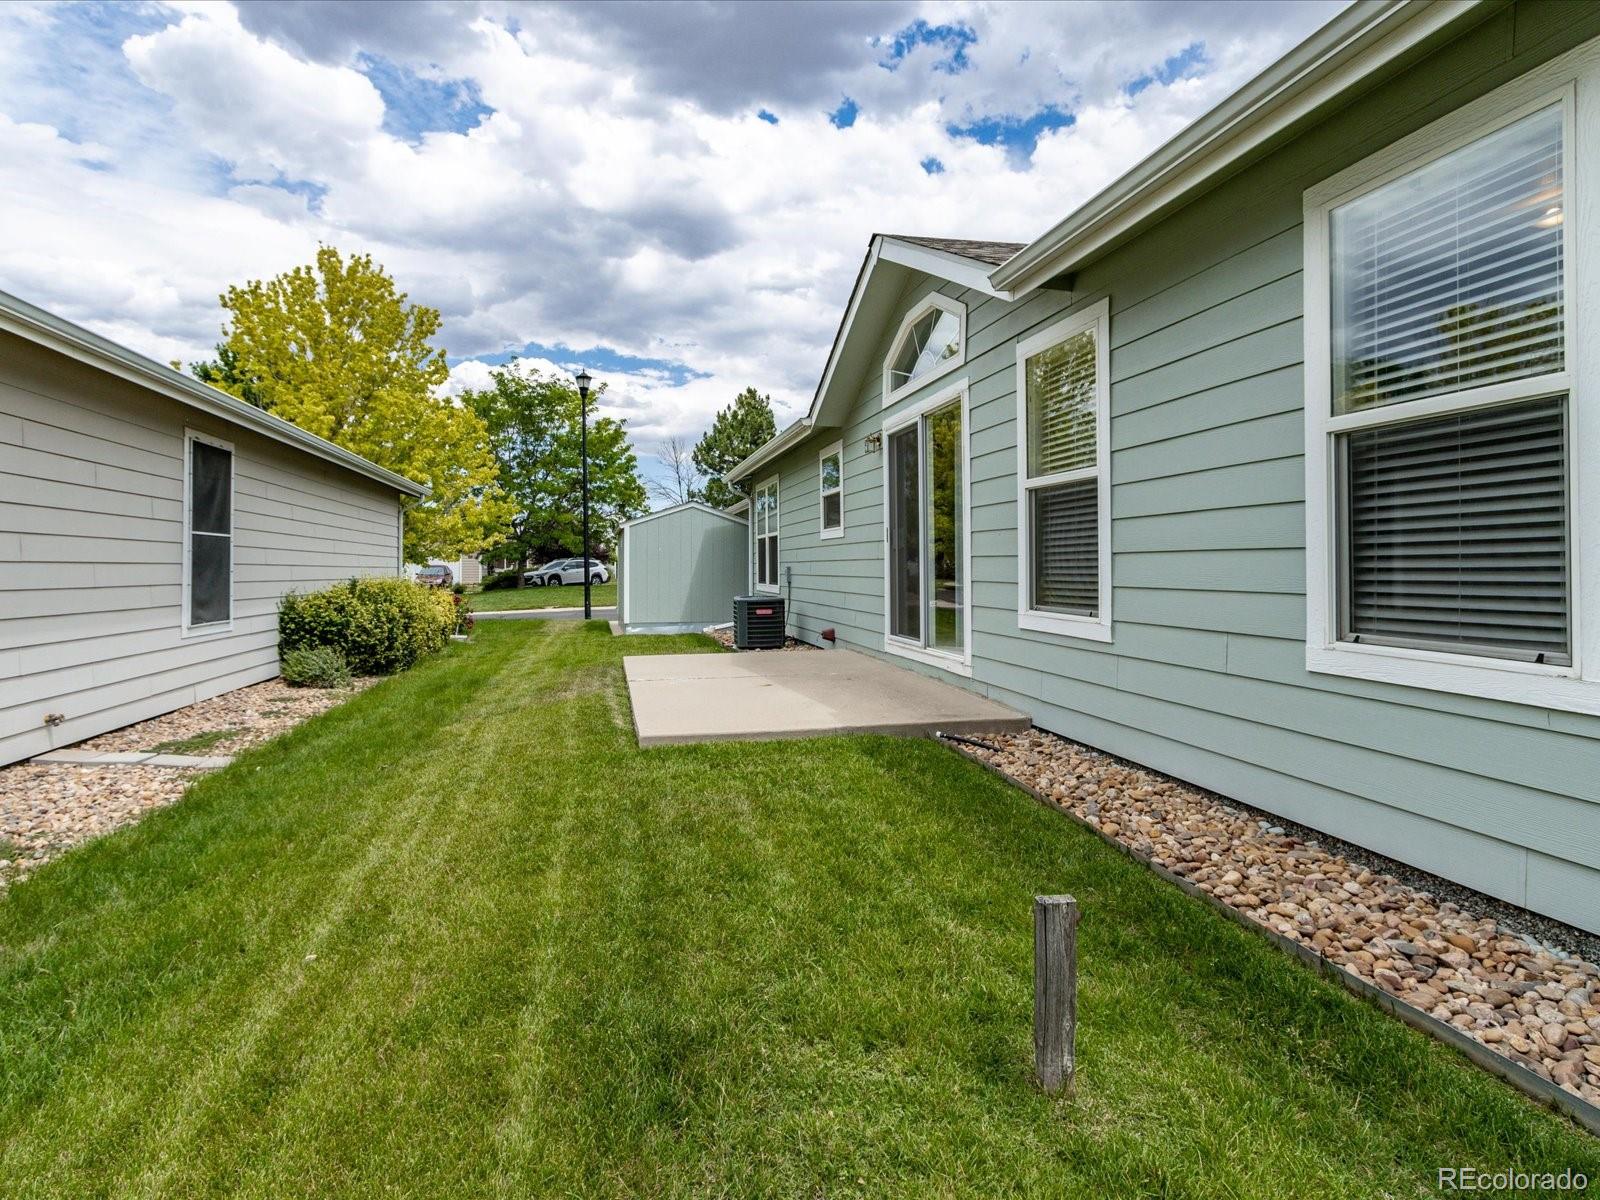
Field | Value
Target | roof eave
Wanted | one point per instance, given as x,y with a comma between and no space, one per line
1357,43
968,272
42,328
952,267
790,435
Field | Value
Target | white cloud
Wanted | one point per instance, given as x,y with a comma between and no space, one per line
621,194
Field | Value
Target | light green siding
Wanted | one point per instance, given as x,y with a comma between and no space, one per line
1205,676
681,567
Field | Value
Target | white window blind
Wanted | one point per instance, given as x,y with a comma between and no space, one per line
1062,405
1451,277
1453,522
1457,533
1066,549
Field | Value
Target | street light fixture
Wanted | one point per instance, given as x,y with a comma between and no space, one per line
583,381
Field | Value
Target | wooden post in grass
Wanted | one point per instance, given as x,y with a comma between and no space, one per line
1055,989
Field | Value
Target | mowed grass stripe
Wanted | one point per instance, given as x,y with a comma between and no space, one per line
552,964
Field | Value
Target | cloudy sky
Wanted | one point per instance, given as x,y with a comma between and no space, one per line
677,195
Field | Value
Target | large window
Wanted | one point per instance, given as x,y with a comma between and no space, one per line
830,490
1063,494
1443,405
764,527
208,533
930,342
928,612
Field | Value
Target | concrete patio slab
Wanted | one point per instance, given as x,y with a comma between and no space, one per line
791,694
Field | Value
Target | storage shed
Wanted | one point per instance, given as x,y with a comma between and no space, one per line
681,568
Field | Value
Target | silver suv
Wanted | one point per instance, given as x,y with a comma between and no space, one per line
567,570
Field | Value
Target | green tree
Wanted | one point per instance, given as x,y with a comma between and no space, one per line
738,432
224,374
336,348
533,424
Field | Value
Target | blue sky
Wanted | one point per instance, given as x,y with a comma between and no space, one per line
676,195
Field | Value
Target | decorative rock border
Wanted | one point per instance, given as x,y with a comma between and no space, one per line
1543,1084
62,798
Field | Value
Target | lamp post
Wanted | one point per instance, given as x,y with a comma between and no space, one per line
583,382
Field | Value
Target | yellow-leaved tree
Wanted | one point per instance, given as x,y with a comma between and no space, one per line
336,348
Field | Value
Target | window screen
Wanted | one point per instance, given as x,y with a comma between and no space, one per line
210,534
1457,533
1066,552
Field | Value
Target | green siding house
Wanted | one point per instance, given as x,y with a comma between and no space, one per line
1274,467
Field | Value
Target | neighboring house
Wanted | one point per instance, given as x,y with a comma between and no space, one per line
1275,466
149,525
681,568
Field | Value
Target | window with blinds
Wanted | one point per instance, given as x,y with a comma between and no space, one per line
1457,533
1451,277
1066,548
1061,379
1450,401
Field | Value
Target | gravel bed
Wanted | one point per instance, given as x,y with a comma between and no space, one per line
1485,967
724,634
244,717
46,809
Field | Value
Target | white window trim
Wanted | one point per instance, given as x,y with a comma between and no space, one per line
211,628
1097,628
960,664
932,300
1571,78
835,450
774,588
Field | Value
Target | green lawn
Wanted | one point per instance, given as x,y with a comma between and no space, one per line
460,938
567,596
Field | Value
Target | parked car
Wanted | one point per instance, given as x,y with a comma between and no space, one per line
567,570
436,576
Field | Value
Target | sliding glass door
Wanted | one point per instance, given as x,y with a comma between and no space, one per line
926,513
905,534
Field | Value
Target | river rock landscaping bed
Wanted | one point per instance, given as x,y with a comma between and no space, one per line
46,809
228,723
1537,1006
724,635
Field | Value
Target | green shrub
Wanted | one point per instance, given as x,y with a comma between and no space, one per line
380,625
316,666
499,580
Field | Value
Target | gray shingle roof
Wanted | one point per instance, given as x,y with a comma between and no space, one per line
993,253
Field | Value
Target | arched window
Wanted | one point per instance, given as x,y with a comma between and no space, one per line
931,341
